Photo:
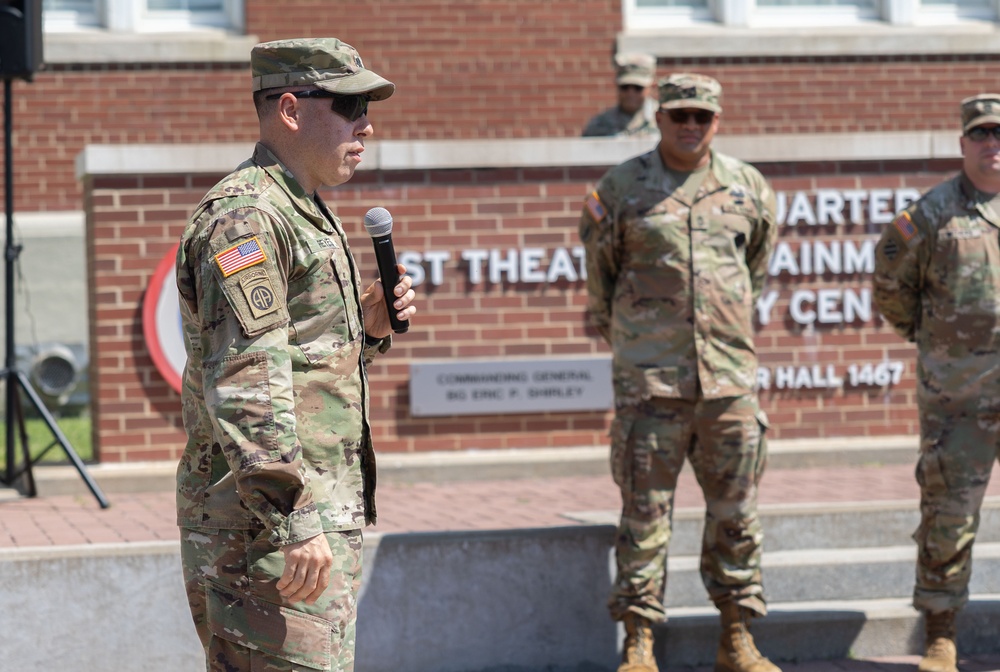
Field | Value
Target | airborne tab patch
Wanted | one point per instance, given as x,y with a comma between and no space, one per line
259,293
236,258
904,225
595,207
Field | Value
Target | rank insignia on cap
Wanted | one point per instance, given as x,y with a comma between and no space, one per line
238,257
595,207
904,225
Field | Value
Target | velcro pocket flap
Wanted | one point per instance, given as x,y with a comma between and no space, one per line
284,633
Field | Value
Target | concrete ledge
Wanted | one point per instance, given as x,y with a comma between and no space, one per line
512,601
96,608
103,46
861,39
137,159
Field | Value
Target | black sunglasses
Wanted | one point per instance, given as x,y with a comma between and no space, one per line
701,117
629,87
980,133
351,108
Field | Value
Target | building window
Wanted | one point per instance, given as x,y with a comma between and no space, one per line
935,11
142,16
642,15
813,12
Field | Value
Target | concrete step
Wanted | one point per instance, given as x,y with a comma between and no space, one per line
815,525
826,630
832,574
825,551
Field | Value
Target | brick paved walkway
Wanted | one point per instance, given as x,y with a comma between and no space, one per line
460,505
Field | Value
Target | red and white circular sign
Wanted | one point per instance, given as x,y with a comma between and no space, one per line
161,322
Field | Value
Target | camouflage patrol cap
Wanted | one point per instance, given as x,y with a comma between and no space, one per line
325,62
690,90
981,109
634,69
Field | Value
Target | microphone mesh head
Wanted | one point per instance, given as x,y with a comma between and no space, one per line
378,222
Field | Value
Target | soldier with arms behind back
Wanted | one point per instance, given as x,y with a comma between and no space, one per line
677,243
937,282
278,475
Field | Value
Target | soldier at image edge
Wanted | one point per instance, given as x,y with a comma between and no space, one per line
937,283
633,113
677,242
278,474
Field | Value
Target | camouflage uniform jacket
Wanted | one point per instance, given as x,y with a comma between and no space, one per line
672,282
613,121
275,396
937,282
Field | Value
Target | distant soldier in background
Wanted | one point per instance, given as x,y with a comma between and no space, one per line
677,244
937,282
633,115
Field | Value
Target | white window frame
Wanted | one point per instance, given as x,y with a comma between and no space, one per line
132,16
747,14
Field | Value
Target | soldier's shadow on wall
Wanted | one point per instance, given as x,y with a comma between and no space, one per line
503,601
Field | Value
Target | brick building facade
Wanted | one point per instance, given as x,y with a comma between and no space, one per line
494,93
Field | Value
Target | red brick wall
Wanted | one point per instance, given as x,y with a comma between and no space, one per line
465,69
133,223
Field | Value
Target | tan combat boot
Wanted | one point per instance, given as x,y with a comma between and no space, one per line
637,655
942,654
737,652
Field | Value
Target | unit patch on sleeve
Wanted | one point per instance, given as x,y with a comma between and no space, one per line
259,292
236,258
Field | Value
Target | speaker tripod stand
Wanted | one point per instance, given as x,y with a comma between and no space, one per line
15,381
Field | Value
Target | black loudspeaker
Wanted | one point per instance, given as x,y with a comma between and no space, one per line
20,38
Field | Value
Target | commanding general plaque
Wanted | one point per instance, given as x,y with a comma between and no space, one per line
474,387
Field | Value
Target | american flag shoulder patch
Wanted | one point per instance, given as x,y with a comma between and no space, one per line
904,225
595,207
240,256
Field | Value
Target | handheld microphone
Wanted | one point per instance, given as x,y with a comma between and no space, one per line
378,224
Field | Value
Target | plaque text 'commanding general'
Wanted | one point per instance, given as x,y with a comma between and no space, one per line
473,387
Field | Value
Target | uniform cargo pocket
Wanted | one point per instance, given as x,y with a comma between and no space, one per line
661,382
290,635
621,456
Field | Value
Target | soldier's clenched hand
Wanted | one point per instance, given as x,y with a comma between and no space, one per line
307,570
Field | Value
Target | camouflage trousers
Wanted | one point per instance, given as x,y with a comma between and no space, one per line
957,452
724,441
242,621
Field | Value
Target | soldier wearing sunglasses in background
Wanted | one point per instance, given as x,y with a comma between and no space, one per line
677,244
937,282
278,475
633,115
